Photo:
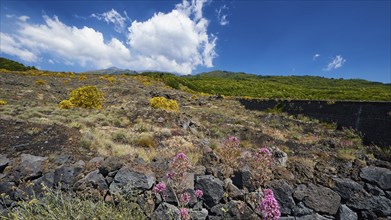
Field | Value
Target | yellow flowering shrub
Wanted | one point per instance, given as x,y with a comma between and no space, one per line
82,77
2,102
65,104
40,82
87,97
163,103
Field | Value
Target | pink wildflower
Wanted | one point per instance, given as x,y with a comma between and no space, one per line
185,198
199,193
160,187
184,214
265,151
268,207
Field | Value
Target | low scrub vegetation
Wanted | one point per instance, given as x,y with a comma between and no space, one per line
84,97
165,104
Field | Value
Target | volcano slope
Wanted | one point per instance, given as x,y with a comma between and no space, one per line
106,163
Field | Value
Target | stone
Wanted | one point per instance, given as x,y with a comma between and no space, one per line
233,191
93,183
212,188
62,159
7,188
239,210
281,158
319,198
377,204
127,180
31,166
166,211
199,214
300,210
378,175
287,218
346,188
4,162
66,176
109,165
374,190
145,201
314,216
242,179
283,193
346,214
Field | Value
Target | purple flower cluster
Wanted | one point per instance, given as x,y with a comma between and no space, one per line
160,187
199,193
185,198
184,214
179,165
264,155
268,207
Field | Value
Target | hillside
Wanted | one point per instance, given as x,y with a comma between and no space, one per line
279,87
112,162
111,70
13,65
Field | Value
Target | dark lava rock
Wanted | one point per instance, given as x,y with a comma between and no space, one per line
4,162
319,198
93,183
127,180
377,175
7,188
346,214
376,204
109,165
239,210
283,194
234,192
66,176
166,211
314,216
212,188
374,190
199,214
346,188
242,179
300,210
31,166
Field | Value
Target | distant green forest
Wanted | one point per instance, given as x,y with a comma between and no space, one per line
14,66
278,87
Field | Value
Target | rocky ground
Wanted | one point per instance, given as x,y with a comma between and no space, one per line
318,172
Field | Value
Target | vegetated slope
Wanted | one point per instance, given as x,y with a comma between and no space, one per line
280,87
14,66
112,70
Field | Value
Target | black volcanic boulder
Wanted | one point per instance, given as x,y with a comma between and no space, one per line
346,214
378,175
66,176
166,211
212,188
319,198
127,180
283,193
31,167
347,188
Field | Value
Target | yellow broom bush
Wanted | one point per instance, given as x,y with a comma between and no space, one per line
163,103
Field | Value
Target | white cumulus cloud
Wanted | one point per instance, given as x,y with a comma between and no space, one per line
11,46
335,63
114,18
221,17
176,41
315,56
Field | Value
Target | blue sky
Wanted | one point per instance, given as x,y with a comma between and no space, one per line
334,39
